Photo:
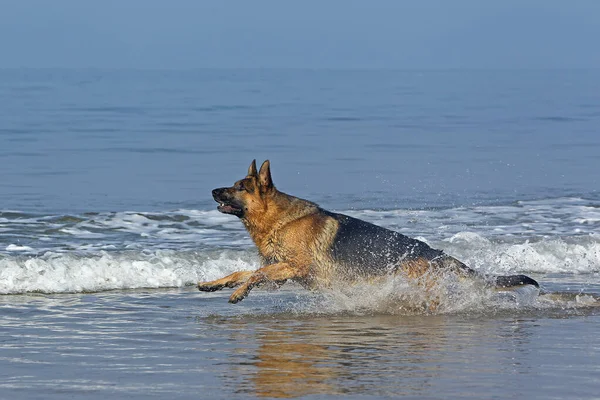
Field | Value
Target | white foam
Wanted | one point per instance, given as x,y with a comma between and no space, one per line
538,218
14,247
82,233
581,255
58,273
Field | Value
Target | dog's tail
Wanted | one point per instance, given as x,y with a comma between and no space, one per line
499,282
510,281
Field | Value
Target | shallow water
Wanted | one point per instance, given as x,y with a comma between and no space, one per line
179,343
107,222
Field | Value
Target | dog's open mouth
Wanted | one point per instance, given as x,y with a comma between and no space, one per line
228,204
228,208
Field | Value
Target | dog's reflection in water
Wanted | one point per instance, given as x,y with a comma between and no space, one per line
286,368
346,356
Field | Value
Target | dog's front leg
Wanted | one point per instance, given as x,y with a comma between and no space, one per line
277,273
230,281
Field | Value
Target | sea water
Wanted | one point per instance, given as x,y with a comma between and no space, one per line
107,223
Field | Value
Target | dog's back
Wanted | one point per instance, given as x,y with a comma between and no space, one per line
366,249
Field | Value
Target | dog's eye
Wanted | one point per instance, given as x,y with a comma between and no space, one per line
243,187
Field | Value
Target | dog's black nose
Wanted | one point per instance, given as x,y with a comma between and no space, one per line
218,193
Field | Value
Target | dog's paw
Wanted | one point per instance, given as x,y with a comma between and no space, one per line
208,287
238,295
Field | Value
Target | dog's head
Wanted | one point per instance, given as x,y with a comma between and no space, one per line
248,195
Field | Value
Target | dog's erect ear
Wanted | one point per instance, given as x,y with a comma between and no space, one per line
264,176
252,169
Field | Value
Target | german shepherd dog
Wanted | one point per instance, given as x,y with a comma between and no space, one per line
299,240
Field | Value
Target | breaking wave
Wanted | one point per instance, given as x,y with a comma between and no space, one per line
127,250
56,272
67,273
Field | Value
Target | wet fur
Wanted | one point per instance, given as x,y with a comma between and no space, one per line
298,240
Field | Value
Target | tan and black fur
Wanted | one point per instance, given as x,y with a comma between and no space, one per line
298,240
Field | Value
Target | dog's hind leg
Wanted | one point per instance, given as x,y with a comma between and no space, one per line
277,273
230,281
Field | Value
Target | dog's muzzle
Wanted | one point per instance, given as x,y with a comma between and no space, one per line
227,203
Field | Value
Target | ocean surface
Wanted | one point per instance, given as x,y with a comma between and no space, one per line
107,223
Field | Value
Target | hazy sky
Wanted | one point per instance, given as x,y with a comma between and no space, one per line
315,34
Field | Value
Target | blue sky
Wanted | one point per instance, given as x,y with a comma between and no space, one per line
314,34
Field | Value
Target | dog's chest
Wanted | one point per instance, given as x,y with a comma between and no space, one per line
273,250
281,247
